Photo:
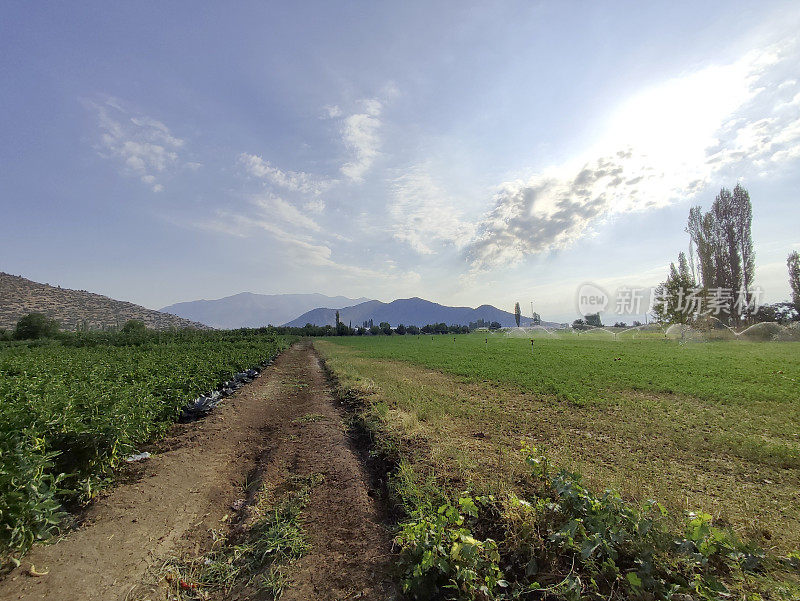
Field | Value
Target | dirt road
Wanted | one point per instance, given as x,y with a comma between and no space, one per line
286,422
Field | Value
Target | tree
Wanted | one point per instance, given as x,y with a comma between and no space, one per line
386,328
401,329
593,320
134,331
413,330
743,223
777,312
672,305
35,325
793,263
723,242
495,325
134,327
374,330
337,319
517,313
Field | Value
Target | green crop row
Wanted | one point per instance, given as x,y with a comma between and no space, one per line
70,413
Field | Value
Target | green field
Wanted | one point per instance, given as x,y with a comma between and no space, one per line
699,427
589,370
74,408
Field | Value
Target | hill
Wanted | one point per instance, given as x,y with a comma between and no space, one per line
408,311
248,310
75,308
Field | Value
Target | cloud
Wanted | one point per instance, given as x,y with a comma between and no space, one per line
423,214
360,136
315,206
144,147
276,208
665,144
551,211
298,250
295,181
332,111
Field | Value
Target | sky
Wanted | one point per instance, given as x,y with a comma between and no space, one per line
466,153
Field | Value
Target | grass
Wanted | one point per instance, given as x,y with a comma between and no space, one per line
254,559
309,418
585,370
709,427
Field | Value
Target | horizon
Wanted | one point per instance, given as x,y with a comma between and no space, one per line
160,155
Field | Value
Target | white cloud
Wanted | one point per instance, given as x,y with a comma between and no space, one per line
276,208
144,146
315,206
665,144
423,214
298,250
295,181
360,136
332,111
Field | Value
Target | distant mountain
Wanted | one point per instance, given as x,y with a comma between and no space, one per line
75,308
408,311
248,310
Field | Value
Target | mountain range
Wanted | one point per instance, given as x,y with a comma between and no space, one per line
248,310
75,309
408,311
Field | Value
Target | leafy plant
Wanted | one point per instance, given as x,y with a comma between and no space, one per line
441,556
29,508
71,413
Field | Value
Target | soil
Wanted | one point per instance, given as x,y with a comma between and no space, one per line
287,422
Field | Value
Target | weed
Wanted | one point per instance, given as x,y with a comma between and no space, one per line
309,418
256,558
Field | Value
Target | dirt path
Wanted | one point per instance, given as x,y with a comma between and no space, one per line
285,423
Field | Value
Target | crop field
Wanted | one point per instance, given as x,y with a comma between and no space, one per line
709,431
72,410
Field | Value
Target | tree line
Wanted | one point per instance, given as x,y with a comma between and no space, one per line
717,278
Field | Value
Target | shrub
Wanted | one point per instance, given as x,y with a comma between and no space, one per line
35,325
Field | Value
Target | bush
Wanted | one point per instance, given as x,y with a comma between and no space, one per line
35,325
134,326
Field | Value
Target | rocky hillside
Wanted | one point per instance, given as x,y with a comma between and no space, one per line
76,308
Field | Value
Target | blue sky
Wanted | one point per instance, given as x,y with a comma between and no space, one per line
467,153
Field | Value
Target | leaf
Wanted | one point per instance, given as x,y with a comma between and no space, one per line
634,580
